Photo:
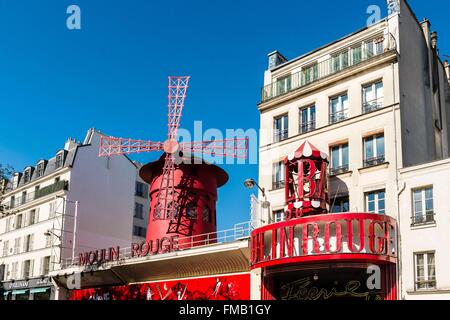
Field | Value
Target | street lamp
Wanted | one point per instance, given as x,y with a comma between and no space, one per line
48,233
250,184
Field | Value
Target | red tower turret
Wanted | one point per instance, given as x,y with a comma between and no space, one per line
195,187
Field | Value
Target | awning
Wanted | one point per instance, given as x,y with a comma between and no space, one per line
19,291
39,290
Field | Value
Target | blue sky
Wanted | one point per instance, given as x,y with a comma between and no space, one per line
112,74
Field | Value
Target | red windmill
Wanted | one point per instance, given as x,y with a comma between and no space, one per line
166,208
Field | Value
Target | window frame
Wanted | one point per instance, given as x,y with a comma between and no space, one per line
278,184
365,104
282,133
341,111
310,124
425,218
376,201
426,275
342,168
376,159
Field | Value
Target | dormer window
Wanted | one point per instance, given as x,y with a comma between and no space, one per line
59,159
40,169
27,175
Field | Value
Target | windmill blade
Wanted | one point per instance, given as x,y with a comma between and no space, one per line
234,147
177,94
166,206
116,146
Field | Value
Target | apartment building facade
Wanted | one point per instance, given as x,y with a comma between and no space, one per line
141,207
377,102
73,202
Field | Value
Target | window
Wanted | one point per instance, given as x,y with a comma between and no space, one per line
278,175
338,108
284,84
48,241
280,128
52,210
45,265
30,217
373,47
374,150
18,221
27,268
339,159
59,160
23,198
139,210
375,202
310,73
191,211
339,61
26,176
16,245
206,212
307,119
425,271
356,55
15,270
5,248
340,204
139,231
141,189
372,97
422,205
8,224
278,215
28,243
40,169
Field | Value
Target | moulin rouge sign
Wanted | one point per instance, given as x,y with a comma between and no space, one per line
142,249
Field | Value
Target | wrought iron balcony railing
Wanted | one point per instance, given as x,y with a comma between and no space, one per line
24,199
331,66
307,126
277,185
280,135
339,170
338,116
371,162
422,219
373,105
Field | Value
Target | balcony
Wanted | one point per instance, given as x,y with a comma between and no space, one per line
339,170
373,105
338,116
280,135
372,162
422,219
356,55
24,199
307,127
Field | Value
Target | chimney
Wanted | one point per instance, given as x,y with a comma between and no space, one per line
70,143
426,26
275,59
447,70
434,38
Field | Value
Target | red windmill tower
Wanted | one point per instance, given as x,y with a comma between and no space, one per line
176,188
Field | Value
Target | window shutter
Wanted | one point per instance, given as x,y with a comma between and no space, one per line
25,243
36,216
23,220
23,269
31,242
31,272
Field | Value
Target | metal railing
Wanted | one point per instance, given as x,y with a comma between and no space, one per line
373,105
422,219
371,162
307,126
353,56
426,284
339,170
338,116
280,135
277,185
239,232
28,197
